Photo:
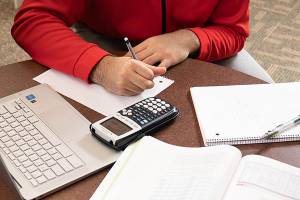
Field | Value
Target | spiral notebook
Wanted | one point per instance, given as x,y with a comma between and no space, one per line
241,114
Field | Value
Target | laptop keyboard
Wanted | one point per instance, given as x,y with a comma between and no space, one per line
31,146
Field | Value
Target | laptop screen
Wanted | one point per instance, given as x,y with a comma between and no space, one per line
7,186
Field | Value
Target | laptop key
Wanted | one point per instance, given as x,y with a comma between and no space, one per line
64,150
33,182
43,167
41,179
49,174
6,115
32,168
57,156
21,118
2,110
13,148
50,162
65,165
11,107
15,124
15,137
75,161
18,153
17,163
7,128
20,142
27,163
32,143
9,143
22,158
36,174
23,133
38,162
25,123
11,120
22,169
27,175
24,147
5,139
3,124
33,119
41,152
36,147
29,127
11,156
2,119
57,170
12,133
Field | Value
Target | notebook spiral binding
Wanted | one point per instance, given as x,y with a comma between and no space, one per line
253,140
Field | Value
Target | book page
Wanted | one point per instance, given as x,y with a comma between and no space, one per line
245,112
261,178
156,170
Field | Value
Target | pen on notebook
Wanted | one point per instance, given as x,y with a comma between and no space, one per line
130,48
282,127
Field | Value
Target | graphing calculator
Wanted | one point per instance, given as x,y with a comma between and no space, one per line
135,121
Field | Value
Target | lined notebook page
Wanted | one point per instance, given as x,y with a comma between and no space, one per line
246,112
261,178
156,170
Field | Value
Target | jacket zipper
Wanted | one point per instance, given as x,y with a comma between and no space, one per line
163,16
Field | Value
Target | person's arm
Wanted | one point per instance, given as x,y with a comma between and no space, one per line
223,36
41,28
226,31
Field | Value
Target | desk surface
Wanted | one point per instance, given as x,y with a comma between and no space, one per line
183,132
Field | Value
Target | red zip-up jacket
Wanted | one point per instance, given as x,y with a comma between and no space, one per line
41,27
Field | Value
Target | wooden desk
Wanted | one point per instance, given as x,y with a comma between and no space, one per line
184,131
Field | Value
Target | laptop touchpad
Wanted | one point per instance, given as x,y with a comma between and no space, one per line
66,123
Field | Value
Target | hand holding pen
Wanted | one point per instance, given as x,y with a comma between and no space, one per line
282,127
124,76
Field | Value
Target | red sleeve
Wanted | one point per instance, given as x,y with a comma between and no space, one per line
42,29
226,30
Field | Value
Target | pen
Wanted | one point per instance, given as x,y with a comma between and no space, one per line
130,48
282,127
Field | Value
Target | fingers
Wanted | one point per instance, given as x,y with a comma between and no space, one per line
143,70
165,63
154,58
160,70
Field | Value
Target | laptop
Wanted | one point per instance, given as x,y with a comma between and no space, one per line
46,144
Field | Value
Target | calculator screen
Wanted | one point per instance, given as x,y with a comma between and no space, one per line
116,126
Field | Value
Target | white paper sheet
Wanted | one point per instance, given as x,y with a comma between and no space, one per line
95,96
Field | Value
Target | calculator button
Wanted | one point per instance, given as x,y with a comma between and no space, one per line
163,107
150,104
129,114
154,102
151,98
167,105
146,106
150,108
162,102
154,106
158,109
159,104
154,111
158,100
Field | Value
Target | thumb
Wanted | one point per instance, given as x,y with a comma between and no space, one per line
158,70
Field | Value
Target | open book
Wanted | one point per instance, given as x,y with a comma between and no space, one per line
151,169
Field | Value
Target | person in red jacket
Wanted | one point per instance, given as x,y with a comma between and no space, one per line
168,30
